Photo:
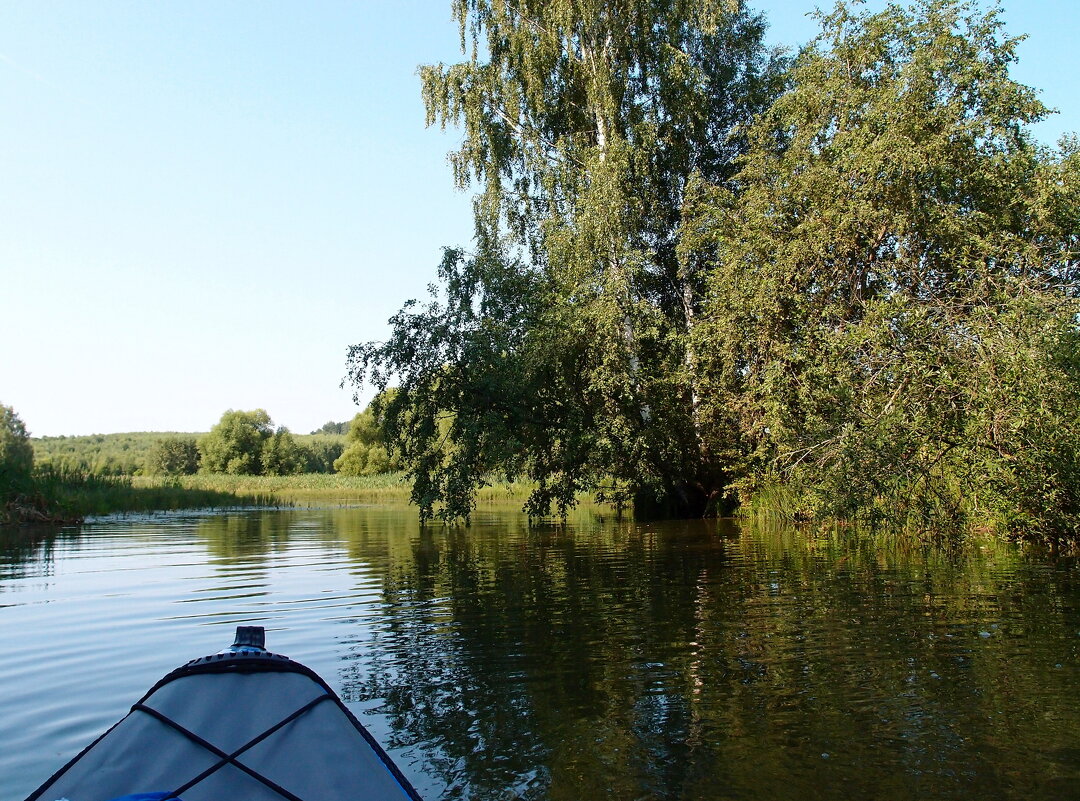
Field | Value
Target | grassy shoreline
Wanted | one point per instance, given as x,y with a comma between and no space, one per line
313,488
61,496
64,497
302,484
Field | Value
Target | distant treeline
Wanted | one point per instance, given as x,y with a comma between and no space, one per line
102,454
242,443
58,492
63,479
148,453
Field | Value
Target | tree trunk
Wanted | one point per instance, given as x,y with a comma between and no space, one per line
684,500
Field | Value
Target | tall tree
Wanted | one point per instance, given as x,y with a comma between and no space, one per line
16,454
235,444
892,321
560,348
321,451
331,427
282,455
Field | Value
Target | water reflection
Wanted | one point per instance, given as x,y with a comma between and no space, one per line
682,661
607,659
29,550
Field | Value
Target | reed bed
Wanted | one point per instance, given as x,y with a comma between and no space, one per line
303,489
63,494
327,488
68,495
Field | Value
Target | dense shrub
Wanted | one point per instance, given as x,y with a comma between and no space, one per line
320,452
281,455
235,444
173,456
366,453
16,453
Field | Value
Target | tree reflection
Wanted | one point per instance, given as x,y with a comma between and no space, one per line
681,660
29,550
245,536
606,659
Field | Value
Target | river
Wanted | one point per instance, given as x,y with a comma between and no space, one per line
595,659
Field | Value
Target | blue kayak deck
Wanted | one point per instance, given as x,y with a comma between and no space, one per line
252,726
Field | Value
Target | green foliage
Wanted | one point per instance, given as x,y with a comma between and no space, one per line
173,456
79,476
332,428
320,451
853,291
360,460
559,350
892,319
16,454
139,453
322,487
235,444
246,443
100,454
281,455
366,453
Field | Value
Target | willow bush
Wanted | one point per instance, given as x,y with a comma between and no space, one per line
891,326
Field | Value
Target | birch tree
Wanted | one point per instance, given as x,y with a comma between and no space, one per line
559,348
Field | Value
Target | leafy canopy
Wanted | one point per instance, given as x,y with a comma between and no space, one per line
173,456
235,444
891,323
16,453
694,281
282,455
558,348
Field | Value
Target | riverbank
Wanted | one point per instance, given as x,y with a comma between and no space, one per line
316,489
66,496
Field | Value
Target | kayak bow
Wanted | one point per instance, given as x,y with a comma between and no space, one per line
242,724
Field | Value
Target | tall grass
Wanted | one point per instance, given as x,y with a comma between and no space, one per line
304,488
320,488
64,494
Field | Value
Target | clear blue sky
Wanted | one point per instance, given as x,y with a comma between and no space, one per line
202,204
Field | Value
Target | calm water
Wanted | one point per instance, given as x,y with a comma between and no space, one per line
594,660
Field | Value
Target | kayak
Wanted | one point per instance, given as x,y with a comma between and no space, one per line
242,724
